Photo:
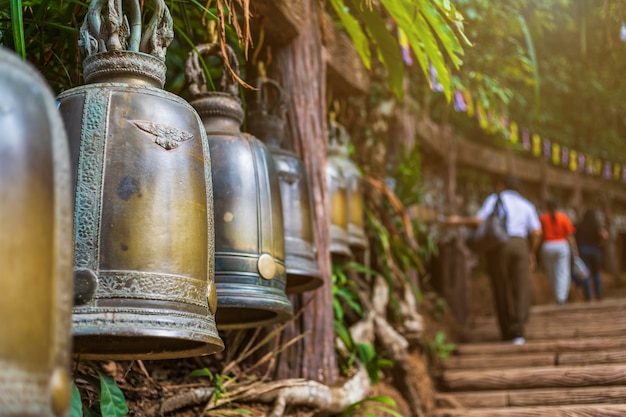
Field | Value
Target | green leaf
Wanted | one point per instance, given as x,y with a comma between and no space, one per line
88,412
354,31
202,372
76,406
112,401
17,24
388,48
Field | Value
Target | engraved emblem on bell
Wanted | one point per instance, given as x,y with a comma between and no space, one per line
35,246
143,219
249,240
266,121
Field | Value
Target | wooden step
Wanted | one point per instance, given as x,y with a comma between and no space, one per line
537,377
532,397
589,410
561,345
520,360
500,361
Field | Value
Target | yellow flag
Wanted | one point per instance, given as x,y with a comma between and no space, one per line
536,140
481,115
514,132
573,160
469,101
556,154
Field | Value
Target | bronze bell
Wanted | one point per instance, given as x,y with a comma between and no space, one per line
249,240
267,122
352,175
144,206
338,196
35,246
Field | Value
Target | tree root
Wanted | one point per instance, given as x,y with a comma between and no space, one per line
313,394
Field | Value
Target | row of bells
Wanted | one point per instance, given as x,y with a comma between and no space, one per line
182,224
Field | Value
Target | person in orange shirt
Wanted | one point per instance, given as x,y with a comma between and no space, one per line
557,249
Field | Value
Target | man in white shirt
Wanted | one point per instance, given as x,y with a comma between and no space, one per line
510,264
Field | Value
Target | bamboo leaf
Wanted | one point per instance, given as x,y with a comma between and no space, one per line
17,25
112,401
387,47
354,31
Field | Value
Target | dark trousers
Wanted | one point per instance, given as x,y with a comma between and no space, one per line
509,272
592,257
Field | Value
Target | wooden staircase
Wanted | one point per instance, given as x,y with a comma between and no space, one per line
573,364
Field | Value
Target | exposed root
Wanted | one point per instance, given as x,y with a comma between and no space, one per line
313,394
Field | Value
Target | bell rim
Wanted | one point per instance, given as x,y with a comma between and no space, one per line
307,281
207,345
234,297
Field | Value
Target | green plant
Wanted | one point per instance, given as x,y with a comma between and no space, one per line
217,379
439,348
112,401
371,407
433,31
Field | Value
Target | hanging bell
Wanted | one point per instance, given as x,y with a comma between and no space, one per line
143,219
338,196
249,239
267,122
35,246
352,174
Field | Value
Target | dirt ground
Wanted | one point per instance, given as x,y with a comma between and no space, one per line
145,387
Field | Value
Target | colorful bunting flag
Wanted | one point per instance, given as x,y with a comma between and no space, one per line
556,154
405,47
513,132
573,161
546,148
526,139
536,141
459,101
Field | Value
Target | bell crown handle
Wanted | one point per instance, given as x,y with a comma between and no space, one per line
113,32
195,75
264,104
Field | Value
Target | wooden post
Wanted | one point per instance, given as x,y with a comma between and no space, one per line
300,68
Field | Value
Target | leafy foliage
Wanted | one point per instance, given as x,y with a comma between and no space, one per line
112,401
434,29
439,348
372,407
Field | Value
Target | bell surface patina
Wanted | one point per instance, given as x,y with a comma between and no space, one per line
338,196
249,237
35,246
144,237
352,175
267,122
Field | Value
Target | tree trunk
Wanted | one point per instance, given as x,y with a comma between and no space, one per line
300,68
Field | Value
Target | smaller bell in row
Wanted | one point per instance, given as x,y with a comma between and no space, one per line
249,237
266,121
344,181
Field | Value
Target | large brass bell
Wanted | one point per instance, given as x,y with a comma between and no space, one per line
352,175
266,121
144,206
35,246
249,239
338,195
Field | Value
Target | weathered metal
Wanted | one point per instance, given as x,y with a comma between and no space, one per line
249,236
144,235
338,154
266,121
338,196
35,246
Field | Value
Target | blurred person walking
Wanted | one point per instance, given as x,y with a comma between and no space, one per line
557,249
591,236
